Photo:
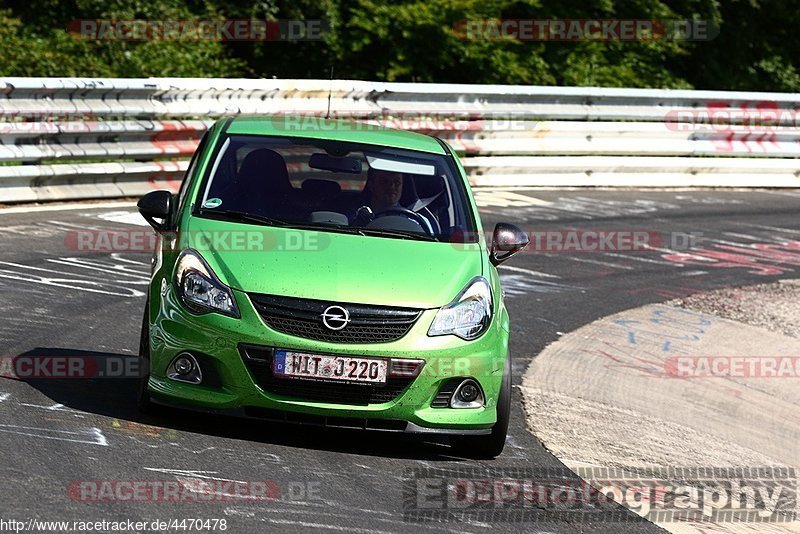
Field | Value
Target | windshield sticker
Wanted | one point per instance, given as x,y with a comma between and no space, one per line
212,203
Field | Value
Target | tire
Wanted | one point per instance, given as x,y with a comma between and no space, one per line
491,445
143,402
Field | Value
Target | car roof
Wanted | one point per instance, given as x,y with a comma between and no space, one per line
312,127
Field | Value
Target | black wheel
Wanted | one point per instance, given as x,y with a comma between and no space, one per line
143,401
491,445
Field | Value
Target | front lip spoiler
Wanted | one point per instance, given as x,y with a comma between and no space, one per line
337,422
416,429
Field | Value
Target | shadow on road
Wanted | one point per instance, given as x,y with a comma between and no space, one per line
115,397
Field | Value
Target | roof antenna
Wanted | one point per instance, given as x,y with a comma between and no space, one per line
330,90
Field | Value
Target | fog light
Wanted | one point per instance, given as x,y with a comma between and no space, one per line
468,394
184,368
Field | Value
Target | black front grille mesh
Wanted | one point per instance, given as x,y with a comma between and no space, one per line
259,362
442,398
303,318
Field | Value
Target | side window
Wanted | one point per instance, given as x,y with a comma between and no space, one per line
184,189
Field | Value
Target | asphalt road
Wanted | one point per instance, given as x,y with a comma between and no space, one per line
56,433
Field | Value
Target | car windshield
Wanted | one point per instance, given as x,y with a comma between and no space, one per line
337,186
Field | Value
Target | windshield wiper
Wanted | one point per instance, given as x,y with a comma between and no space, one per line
398,234
241,216
328,227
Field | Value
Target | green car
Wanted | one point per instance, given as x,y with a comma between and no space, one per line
333,273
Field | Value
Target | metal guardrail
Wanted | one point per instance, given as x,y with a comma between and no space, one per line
73,138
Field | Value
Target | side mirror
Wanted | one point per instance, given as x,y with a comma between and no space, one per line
156,205
507,240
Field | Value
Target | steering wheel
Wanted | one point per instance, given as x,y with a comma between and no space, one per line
413,215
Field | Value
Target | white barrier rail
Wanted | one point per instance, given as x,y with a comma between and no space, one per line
99,138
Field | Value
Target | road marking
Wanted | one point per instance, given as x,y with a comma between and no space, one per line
323,525
39,229
193,474
661,249
124,217
190,472
528,271
65,207
236,511
91,436
775,228
193,485
505,199
604,263
191,480
52,408
743,236
139,429
517,284
68,283
591,208
726,242
118,256
68,226
637,258
121,270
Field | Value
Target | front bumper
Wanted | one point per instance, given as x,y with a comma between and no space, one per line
218,339
337,422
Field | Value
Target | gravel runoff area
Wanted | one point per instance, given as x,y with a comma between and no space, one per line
607,396
774,307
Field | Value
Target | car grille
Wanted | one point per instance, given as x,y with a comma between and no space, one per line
258,361
303,318
442,398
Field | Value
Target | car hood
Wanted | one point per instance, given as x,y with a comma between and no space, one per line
334,266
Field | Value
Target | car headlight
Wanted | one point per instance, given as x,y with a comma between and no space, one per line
200,289
468,315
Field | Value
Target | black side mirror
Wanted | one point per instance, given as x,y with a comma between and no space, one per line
507,240
156,205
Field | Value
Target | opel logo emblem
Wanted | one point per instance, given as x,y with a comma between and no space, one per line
335,317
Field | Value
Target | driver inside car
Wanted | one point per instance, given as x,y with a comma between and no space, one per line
381,192
384,189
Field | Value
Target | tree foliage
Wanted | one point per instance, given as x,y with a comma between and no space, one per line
757,47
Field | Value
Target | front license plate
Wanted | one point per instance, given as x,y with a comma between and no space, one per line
288,364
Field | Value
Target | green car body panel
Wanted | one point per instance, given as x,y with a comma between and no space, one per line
340,268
